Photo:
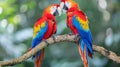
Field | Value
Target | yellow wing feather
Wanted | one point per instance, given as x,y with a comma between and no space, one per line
38,28
83,23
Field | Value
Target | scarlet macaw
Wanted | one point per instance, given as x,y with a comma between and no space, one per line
43,29
78,23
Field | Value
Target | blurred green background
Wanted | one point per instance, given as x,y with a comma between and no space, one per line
17,18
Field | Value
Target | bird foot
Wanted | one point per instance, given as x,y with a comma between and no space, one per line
46,42
76,37
54,39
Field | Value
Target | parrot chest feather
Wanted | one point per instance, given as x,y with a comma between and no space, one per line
70,24
50,30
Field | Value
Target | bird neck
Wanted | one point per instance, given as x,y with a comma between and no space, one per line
72,11
49,16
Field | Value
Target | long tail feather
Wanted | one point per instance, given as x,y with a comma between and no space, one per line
83,56
38,59
90,54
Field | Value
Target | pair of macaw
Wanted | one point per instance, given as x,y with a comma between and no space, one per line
77,21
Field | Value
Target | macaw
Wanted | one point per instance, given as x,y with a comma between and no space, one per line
78,23
43,29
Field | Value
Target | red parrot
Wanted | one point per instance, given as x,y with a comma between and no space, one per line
78,23
43,29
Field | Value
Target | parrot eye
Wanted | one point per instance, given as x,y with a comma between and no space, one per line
53,9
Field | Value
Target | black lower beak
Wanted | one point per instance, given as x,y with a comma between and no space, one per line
65,7
55,13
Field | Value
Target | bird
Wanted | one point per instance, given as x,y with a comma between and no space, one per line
44,28
78,23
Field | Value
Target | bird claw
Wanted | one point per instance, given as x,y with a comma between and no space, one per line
76,37
46,42
53,36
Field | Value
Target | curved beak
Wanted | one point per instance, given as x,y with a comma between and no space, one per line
56,13
59,10
63,6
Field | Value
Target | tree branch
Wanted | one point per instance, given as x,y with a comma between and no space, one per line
109,54
60,38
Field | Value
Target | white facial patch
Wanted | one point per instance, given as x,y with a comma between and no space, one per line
59,10
68,4
61,5
53,9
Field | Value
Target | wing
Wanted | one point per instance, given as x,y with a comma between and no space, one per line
54,27
39,31
81,23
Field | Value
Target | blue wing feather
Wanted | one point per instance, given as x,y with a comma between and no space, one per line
39,36
36,40
86,37
82,44
88,46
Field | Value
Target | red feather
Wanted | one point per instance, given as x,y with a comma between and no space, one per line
48,18
76,12
38,60
81,15
89,54
83,56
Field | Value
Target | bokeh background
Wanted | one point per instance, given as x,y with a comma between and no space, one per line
17,18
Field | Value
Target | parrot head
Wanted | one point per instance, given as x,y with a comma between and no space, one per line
52,10
69,5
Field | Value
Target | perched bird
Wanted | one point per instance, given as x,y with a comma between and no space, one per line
78,23
43,29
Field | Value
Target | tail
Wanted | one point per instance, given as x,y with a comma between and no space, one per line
39,58
85,50
83,56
